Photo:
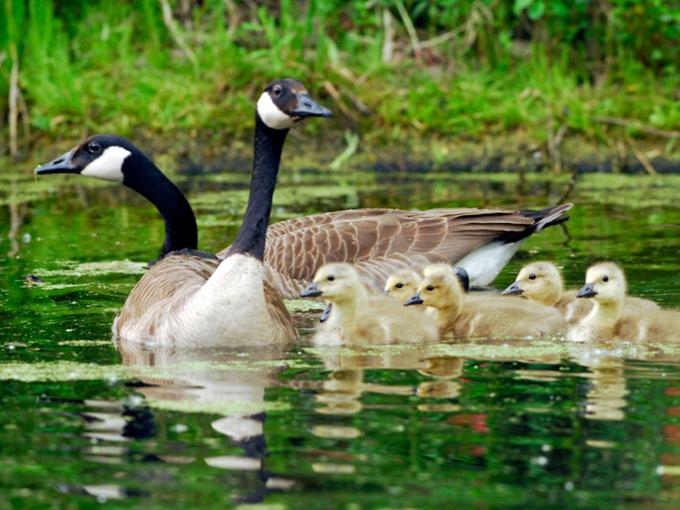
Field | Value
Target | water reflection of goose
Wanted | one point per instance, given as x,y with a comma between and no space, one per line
231,383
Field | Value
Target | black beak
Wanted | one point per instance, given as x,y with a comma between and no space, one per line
61,165
414,300
586,291
513,290
463,278
326,313
307,107
312,290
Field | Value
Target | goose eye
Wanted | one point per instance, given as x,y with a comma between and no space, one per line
330,278
399,285
430,288
94,148
277,90
605,278
532,276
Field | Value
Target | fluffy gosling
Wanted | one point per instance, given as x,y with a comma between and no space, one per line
402,284
611,319
358,316
542,282
467,316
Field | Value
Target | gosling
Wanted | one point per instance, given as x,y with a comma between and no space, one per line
542,282
610,318
358,316
466,316
402,284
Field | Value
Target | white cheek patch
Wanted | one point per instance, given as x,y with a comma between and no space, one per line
108,166
271,115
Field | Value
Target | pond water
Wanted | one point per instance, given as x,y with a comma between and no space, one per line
541,424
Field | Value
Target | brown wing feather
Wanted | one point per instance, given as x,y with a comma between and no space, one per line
165,284
278,311
379,241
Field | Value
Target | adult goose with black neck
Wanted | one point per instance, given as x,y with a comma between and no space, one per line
188,298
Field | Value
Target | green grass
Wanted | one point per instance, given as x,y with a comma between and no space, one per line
109,66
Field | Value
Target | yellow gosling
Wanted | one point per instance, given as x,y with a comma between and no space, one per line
402,284
358,316
610,319
542,282
467,316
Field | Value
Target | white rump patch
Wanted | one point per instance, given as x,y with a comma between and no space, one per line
271,115
108,166
484,264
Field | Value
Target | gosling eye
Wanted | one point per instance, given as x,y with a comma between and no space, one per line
430,288
277,90
399,285
94,147
532,276
330,278
605,278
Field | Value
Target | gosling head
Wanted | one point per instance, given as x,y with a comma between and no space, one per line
335,282
107,157
605,283
439,289
402,284
538,281
285,102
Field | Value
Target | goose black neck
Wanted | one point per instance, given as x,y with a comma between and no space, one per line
268,145
141,175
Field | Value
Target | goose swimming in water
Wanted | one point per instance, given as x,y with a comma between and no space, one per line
542,282
466,316
359,316
188,298
611,319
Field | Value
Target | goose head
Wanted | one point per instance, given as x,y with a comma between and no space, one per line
106,157
336,282
440,288
538,281
285,102
402,284
605,283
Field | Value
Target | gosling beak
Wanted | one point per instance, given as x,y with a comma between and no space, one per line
414,300
312,290
586,291
326,313
307,107
513,290
61,165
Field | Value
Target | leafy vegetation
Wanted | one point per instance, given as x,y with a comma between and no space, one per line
392,69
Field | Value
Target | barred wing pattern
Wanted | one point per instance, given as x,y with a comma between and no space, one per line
380,241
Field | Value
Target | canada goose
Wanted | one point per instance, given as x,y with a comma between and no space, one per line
187,299
358,316
378,241
610,319
542,282
381,241
467,316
